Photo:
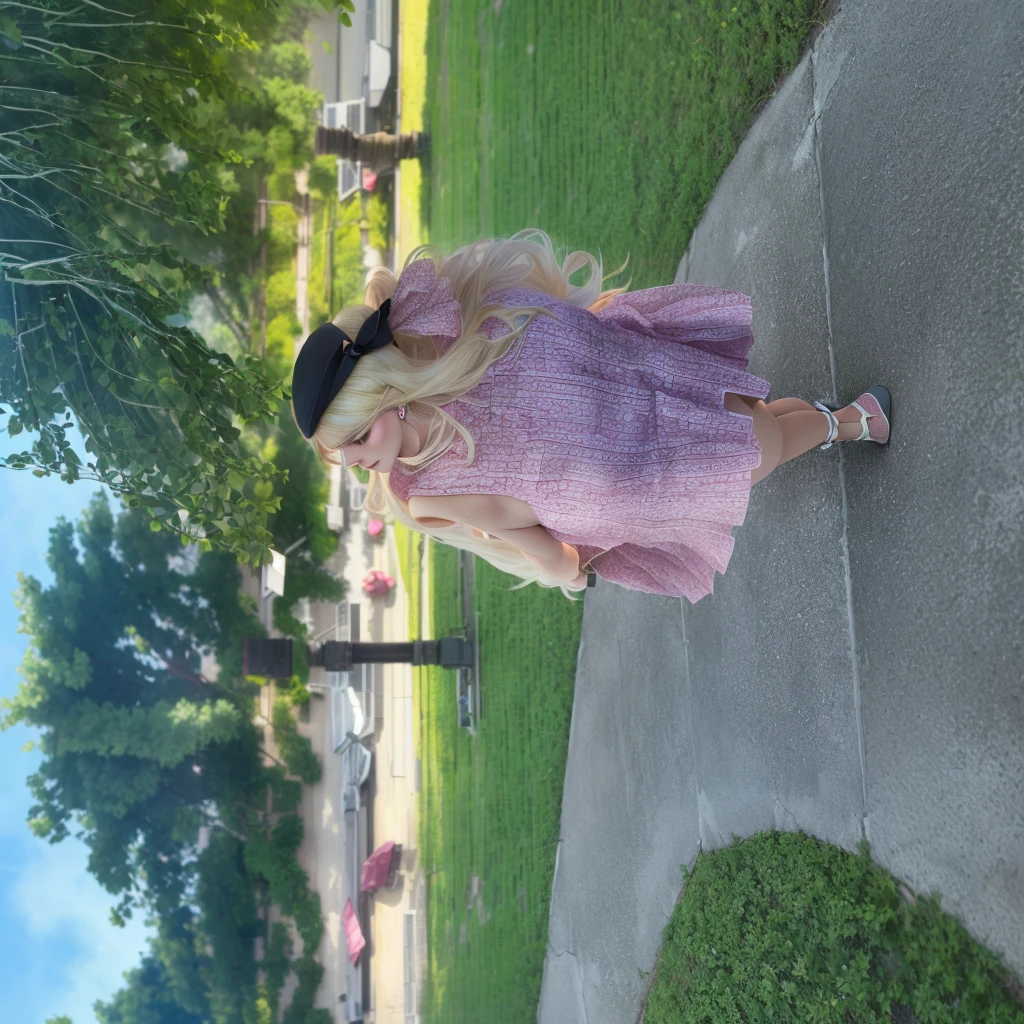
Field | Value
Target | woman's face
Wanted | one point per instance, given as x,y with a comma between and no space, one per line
379,446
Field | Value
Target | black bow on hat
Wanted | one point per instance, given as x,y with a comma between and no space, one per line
324,364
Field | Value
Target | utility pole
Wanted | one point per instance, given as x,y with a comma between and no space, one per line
261,294
259,224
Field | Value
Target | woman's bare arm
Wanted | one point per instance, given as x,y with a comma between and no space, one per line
497,511
496,516
552,556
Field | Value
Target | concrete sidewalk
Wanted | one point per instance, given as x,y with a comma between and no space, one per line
857,670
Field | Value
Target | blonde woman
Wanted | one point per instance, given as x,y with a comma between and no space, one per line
557,430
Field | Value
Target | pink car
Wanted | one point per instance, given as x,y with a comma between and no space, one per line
378,583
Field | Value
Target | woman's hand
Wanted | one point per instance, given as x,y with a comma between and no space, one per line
580,583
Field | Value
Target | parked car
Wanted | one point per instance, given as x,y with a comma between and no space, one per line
356,764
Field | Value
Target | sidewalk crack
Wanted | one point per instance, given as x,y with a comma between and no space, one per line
579,975
690,705
844,545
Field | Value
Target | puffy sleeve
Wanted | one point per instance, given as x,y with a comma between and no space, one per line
710,319
423,304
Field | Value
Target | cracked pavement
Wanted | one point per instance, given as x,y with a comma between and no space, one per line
857,670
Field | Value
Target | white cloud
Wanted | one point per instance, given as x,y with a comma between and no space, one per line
57,898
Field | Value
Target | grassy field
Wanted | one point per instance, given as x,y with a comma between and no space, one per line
491,803
412,59
605,123
410,560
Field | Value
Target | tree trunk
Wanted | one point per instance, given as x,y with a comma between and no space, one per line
380,151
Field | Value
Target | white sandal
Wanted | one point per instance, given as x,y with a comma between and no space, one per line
833,424
879,431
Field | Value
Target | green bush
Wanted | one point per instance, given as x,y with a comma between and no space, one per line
309,923
300,1010
378,213
285,793
280,293
281,334
297,693
282,225
275,861
323,177
296,749
281,189
285,622
784,927
277,965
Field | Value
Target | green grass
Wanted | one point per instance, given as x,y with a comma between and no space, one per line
612,132
782,927
410,547
413,90
491,804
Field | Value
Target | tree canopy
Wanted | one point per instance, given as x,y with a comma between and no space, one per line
133,140
160,771
131,731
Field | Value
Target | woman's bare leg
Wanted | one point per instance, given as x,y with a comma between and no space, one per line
788,427
765,427
803,430
783,405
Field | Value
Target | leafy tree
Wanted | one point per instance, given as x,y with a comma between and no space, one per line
182,952
230,924
145,1000
154,995
135,741
301,519
296,749
101,108
135,141
159,770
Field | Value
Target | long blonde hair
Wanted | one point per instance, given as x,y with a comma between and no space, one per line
414,374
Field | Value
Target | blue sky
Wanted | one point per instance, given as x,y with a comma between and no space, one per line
58,951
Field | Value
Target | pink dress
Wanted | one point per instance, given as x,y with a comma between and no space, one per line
612,428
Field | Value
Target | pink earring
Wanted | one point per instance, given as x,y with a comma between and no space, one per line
401,412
